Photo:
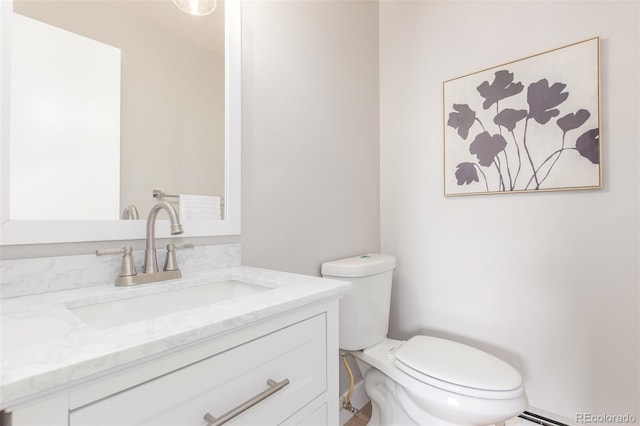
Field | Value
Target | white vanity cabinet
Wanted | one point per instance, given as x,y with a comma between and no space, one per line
226,380
213,377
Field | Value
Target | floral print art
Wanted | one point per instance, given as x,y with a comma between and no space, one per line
527,125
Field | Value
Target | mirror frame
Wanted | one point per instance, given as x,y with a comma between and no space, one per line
16,232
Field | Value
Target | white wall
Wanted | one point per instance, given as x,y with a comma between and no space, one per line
547,281
310,177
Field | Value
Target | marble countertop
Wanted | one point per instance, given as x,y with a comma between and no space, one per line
44,345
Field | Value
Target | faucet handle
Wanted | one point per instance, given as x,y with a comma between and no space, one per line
128,266
171,263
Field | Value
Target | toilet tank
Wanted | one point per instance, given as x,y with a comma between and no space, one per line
364,312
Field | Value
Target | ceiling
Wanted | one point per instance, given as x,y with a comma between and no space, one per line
205,31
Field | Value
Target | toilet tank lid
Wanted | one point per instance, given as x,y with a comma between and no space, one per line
359,266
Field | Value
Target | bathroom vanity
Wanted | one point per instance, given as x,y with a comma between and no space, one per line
241,341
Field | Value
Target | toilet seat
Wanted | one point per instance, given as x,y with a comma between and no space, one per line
458,368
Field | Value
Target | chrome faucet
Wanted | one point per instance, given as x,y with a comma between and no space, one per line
150,259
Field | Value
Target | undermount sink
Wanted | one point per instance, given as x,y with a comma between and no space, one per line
123,311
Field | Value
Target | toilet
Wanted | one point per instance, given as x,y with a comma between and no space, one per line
426,381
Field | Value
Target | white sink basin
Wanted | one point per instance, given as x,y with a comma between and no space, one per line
119,312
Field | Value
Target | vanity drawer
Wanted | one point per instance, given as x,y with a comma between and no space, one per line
224,381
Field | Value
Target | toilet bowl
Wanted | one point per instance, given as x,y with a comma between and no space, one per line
426,381
461,386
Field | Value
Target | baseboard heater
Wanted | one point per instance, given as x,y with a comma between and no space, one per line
541,420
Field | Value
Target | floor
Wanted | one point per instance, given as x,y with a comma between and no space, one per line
362,417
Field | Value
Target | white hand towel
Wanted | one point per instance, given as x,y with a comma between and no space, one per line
199,207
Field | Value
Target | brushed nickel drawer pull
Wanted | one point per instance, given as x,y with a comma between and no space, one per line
274,387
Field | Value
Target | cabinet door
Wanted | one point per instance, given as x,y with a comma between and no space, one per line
311,415
224,381
317,418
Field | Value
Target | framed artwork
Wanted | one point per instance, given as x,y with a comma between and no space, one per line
528,125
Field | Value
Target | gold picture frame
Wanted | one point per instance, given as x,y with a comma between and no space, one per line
529,125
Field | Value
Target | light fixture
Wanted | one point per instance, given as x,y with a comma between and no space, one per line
197,7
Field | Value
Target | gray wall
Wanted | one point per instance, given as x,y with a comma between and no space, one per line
310,162
547,281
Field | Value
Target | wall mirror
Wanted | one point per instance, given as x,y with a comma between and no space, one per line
104,102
